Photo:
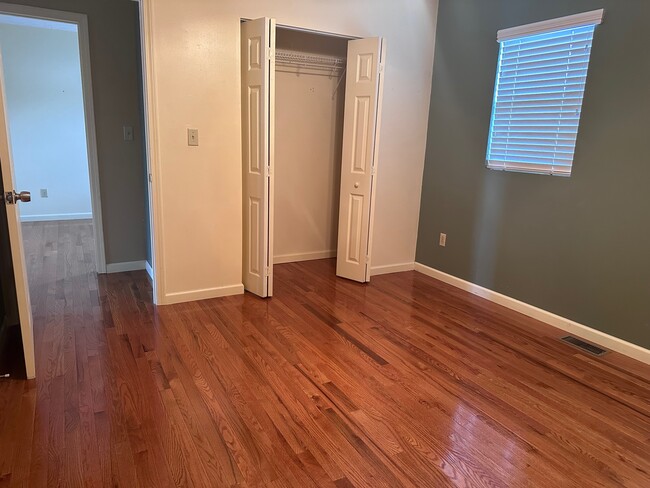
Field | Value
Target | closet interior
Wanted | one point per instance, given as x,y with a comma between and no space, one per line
309,105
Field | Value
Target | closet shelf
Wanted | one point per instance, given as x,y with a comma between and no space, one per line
287,58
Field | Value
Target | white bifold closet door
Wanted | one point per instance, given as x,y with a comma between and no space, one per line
360,141
363,93
258,100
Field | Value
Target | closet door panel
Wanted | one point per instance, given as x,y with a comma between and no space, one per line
257,47
359,162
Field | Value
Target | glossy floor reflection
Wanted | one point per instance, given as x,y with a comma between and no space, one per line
403,382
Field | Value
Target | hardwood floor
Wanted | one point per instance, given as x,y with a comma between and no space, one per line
404,382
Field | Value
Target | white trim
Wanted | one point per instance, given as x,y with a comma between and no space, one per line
152,148
149,269
391,268
594,17
305,256
127,266
81,20
205,294
602,339
530,168
91,137
51,217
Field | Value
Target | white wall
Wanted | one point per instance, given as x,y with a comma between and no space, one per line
308,133
46,119
193,74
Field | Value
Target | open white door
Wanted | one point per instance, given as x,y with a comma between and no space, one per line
10,201
363,93
258,101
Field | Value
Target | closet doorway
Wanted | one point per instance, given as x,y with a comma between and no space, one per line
311,105
309,98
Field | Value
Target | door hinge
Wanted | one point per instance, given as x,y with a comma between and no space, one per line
381,67
268,271
271,53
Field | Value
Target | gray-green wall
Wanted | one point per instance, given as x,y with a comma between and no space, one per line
578,246
114,40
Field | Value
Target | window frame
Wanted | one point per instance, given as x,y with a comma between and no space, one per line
592,18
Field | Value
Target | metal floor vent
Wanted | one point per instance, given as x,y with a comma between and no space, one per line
585,346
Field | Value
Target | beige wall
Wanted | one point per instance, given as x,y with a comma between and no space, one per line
308,132
195,81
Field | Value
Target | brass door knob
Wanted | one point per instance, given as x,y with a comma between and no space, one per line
11,197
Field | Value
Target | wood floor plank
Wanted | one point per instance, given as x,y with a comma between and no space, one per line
406,381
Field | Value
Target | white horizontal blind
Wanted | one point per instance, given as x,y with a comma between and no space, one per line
538,99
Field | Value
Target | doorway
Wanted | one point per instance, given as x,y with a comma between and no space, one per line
51,133
49,157
296,142
309,97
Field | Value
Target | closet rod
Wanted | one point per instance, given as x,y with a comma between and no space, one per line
306,71
325,69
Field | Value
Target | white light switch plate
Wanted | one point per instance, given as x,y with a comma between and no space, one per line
192,137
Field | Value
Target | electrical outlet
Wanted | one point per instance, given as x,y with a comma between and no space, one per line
43,192
443,239
192,137
128,133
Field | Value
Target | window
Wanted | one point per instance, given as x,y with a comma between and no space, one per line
538,96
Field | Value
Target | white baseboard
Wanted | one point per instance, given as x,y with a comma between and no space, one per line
149,269
602,339
391,268
205,294
307,256
51,217
122,267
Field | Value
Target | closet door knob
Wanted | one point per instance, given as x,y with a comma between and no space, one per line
356,185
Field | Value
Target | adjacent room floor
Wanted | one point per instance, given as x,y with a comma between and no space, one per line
403,382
